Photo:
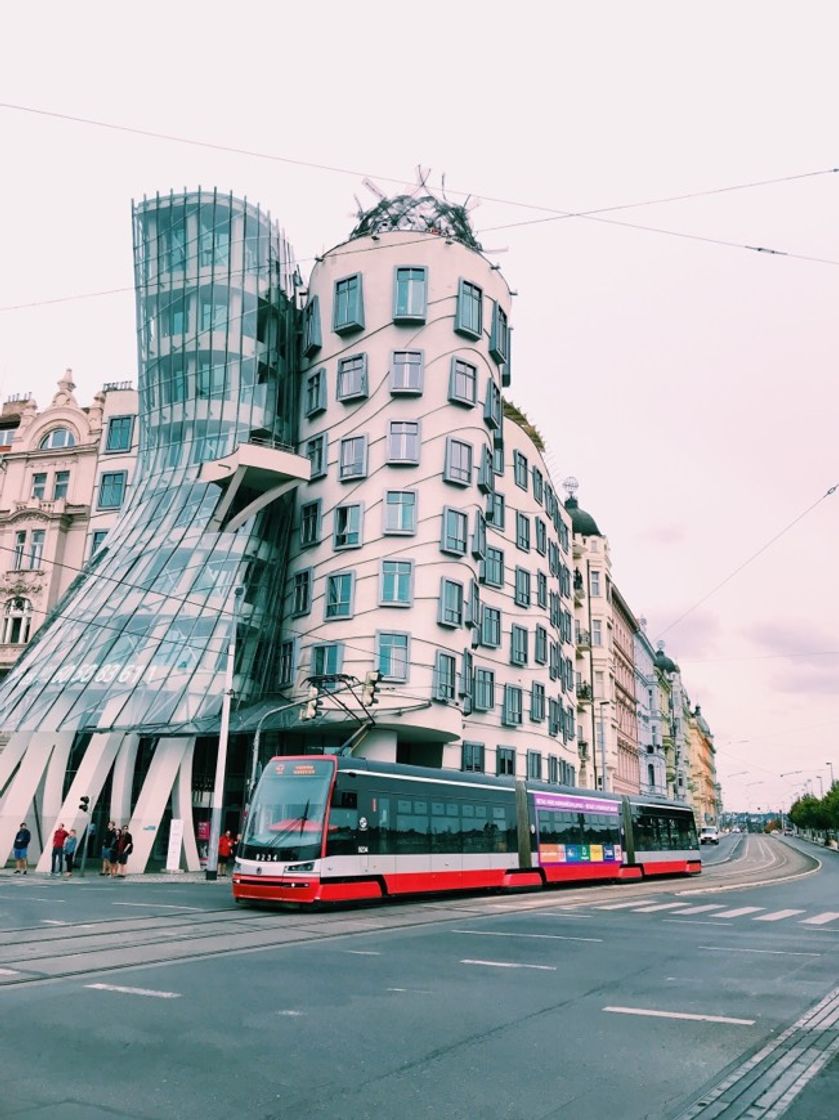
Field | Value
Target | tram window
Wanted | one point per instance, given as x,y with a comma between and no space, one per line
452,809
412,831
378,837
345,799
445,829
568,828
438,809
467,810
421,807
403,806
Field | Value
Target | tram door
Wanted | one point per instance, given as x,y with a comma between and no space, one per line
347,834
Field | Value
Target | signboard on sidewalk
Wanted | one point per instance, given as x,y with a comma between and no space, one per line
176,838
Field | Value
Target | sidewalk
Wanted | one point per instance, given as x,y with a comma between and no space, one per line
177,877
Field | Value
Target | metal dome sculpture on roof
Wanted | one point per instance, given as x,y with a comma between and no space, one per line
422,211
581,522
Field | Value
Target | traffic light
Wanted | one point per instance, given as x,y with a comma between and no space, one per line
371,683
314,704
84,802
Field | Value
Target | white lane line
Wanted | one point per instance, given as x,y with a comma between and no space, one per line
619,905
693,922
739,912
159,906
680,1015
9,972
704,909
777,915
537,936
770,952
53,922
133,991
659,906
509,964
413,991
820,919
290,1013
36,898
363,952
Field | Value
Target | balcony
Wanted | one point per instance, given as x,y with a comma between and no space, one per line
252,477
584,693
582,749
583,640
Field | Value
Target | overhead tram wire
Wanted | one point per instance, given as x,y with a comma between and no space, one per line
827,494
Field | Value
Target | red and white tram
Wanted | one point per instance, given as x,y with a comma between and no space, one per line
324,828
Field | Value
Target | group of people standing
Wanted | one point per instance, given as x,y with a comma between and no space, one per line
64,845
117,846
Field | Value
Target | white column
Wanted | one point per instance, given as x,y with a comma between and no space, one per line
10,756
123,779
53,787
21,791
157,788
182,806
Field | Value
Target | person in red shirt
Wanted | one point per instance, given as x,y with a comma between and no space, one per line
225,851
58,838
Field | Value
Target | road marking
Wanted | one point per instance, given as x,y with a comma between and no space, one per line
363,952
37,899
703,909
509,964
777,915
133,991
53,922
771,952
290,1013
159,906
9,972
659,906
619,905
414,991
739,912
537,936
820,919
680,1015
693,922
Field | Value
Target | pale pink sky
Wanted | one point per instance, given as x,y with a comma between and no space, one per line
690,387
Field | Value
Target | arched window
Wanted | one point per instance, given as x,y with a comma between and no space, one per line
17,622
58,437
651,775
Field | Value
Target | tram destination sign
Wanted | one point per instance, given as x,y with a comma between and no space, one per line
568,803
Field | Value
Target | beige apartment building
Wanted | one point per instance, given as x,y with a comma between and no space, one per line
627,778
64,474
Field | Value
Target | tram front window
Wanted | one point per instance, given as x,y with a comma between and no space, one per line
286,818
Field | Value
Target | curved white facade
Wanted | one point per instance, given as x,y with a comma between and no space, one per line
415,550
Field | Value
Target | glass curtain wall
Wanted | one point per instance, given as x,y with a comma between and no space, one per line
139,640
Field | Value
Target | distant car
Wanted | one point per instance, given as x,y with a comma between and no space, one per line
735,829
709,836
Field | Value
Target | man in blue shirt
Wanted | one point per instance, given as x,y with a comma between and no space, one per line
20,849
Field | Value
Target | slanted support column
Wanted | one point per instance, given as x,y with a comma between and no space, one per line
157,788
182,807
21,791
123,779
10,756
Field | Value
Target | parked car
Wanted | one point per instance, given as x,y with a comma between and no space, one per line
709,835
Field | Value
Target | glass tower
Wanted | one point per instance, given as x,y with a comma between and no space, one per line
138,642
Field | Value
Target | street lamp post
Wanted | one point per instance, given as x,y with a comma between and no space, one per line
211,870
602,704
829,765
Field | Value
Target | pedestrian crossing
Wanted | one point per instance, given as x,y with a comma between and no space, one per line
827,920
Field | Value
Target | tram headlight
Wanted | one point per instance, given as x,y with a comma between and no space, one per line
300,867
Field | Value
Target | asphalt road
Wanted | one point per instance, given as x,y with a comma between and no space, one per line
678,999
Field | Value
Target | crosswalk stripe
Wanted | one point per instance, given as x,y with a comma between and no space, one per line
658,906
778,915
820,919
739,912
618,905
703,909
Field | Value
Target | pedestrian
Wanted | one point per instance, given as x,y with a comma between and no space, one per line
70,852
125,846
112,859
225,851
108,843
20,849
236,844
58,838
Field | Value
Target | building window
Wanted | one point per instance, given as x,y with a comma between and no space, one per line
400,512
326,659
463,382
553,769
97,539
496,510
316,449
112,489
56,439
538,485
120,429
479,536
505,761
451,603
541,536
406,372
512,713
353,458
348,526
17,622
20,549
410,295
493,415
339,595
395,587
521,594
455,530
596,632
36,547
309,524
498,459
491,627
392,655
316,392
403,442
39,486
348,306
520,470
61,484
499,340
286,664
312,337
212,311
352,378
534,765
486,475
537,703
469,315
492,572
458,464
540,646
541,590
301,602
484,698
472,758
555,612
595,582
445,677
523,532
563,536
518,645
